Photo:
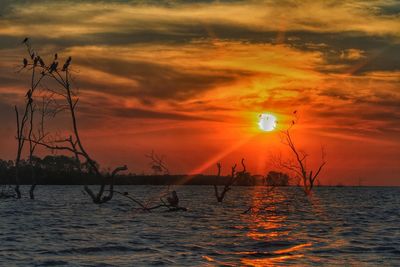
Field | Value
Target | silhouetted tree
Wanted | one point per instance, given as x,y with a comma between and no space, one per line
36,136
299,164
157,163
73,143
244,178
274,178
232,180
24,123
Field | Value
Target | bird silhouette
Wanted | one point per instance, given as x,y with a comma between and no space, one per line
25,40
66,64
294,112
25,62
292,122
41,62
35,61
53,66
56,56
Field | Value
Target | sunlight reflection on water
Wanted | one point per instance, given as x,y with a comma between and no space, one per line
336,226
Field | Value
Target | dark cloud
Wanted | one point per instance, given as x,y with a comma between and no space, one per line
152,80
177,33
374,99
381,53
384,59
336,93
389,9
359,114
137,113
377,111
148,79
98,107
389,101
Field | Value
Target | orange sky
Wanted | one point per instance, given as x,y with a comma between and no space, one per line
189,79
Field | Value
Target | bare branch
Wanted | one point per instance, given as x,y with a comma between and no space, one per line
157,163
300,168
64,90
228,184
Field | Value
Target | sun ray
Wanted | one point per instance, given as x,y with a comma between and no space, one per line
214,159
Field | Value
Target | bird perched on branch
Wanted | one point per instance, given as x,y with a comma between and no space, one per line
56,56
66,64
53,66
25,40
25,62
41,62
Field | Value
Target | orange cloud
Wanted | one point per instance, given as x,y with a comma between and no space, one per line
190,79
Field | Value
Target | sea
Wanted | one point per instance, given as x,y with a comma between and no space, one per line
253,226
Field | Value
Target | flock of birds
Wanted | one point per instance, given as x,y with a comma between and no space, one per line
37,59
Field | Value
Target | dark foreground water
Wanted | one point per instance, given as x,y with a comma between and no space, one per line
337,226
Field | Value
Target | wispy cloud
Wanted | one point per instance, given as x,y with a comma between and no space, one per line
208,64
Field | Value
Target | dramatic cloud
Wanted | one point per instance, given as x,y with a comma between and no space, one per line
199,72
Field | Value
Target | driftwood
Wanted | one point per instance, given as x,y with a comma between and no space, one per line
143,207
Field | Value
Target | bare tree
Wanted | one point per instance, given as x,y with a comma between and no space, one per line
232,179
24,123
157,163
34,138
298,165
72,144
37,135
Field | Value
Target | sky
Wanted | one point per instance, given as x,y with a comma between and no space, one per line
189,79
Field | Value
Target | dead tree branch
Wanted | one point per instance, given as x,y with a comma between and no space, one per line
25,123
299,164
232,179
157,163
73,144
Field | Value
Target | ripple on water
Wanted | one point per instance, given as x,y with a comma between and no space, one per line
353,226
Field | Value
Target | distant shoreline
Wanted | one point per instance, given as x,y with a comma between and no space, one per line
157,180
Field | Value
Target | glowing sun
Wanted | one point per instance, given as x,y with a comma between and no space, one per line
267,122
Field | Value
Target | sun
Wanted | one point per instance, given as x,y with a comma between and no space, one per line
267,122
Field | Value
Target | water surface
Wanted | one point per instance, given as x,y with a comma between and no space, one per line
336,226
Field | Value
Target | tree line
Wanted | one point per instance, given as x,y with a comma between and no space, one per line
62,170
